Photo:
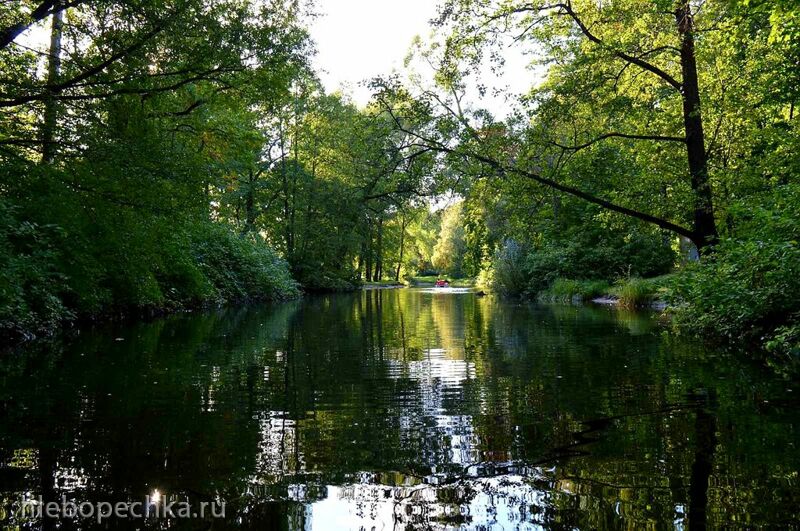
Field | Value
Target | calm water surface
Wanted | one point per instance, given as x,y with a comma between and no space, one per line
402,409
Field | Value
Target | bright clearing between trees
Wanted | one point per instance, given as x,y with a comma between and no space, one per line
589,211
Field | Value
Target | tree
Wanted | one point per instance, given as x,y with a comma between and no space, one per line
589,40
116,142
448,255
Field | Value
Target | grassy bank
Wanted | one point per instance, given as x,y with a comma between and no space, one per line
630,292
567,290
739,307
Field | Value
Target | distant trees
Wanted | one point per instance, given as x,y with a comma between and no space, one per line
448,254
331,189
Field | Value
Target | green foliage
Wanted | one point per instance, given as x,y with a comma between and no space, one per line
748,292
423,230
113,205
636,292
743,293
508,274
332,195
448,254
240,268
784,342
565,290
43,288
584,259
29,279
327,281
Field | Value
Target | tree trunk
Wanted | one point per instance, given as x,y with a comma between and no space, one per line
50,122
360,266
704,225
250,205
379,253
368,275
295,174
402,242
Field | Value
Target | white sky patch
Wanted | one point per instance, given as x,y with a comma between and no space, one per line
358,40
361,39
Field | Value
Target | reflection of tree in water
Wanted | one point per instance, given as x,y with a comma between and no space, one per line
118,414
419,411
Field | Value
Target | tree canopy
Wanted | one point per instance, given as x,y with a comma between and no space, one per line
158,155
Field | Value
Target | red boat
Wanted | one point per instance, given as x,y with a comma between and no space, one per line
442,284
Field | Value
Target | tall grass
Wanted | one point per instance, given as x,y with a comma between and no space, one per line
637,292
565,290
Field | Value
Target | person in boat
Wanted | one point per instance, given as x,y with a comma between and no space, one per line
442,283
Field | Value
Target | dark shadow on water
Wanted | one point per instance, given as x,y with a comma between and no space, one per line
705,427
404,409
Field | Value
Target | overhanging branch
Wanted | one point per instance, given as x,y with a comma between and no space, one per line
503,169
57,89
657,138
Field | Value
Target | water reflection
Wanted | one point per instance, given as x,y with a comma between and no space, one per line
403,409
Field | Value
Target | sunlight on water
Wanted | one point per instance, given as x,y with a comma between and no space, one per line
404,409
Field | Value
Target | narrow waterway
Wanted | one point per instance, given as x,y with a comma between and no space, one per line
402,409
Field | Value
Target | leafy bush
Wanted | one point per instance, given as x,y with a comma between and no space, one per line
583,258
327,282
748,291
47,279
744,293
30,285
586,258
784,342
240,268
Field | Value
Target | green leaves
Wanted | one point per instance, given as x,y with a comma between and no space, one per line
748,292
160,107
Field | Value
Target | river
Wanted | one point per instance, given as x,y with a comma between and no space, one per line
401,409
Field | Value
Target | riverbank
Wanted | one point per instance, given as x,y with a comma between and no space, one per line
201,265
628,293
430,280
736,308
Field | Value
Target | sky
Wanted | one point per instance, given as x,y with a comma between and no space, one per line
360,39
